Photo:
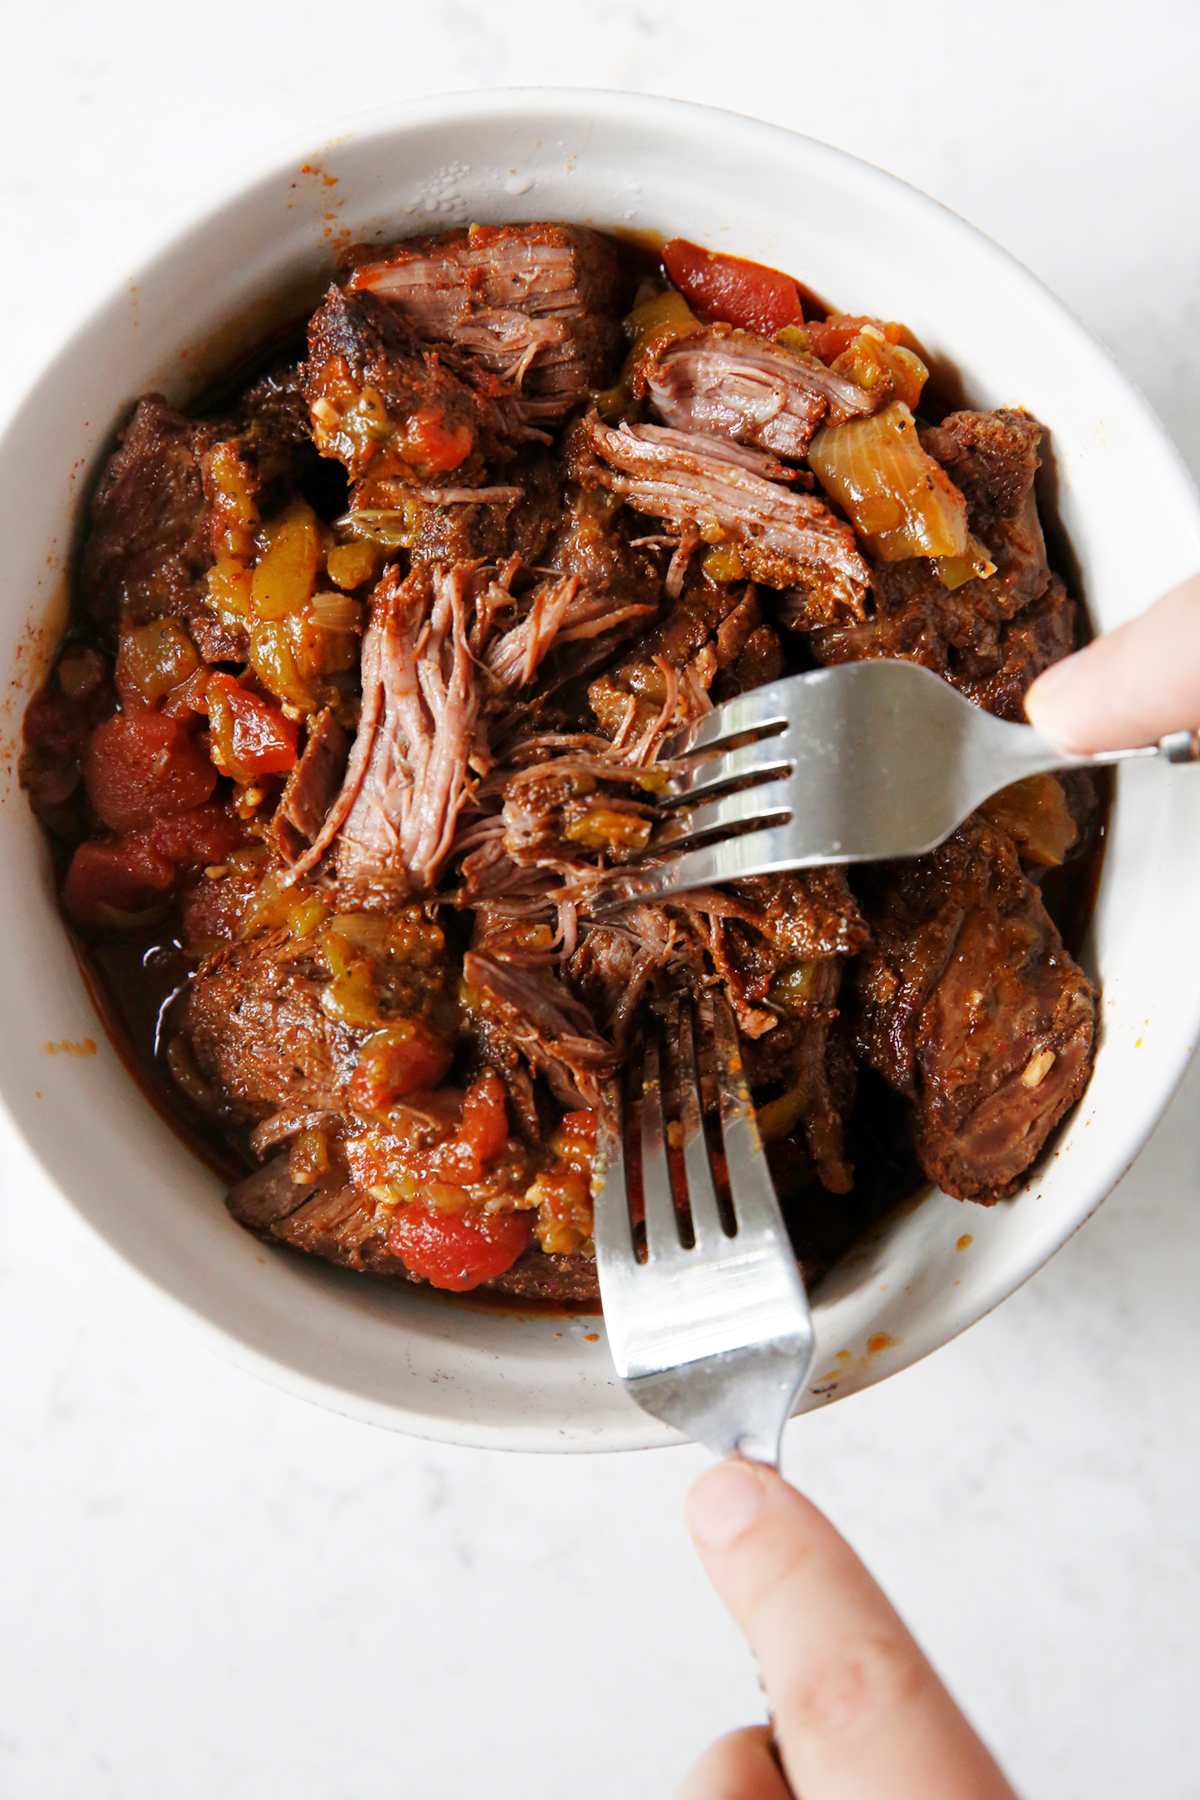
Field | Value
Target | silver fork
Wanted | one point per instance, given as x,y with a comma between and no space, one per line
712,1336
856,763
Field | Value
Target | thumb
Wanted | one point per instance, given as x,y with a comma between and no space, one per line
1129,687
858,1710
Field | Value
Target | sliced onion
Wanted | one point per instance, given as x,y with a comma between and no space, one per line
900,501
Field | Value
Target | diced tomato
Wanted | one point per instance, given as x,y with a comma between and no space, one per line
404,1058
250,736
579,1126
732,290
132,873
485,1117
827,341
139,767
126,876
435,446
458,1250
207,834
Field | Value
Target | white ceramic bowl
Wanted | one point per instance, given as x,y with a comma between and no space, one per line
206,291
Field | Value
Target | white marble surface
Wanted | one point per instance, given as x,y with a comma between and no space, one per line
209,1588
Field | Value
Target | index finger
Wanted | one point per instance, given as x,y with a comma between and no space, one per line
859,1712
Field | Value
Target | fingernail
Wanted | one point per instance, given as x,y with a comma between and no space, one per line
723,1503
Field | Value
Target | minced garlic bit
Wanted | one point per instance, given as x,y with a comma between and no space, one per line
1038,1068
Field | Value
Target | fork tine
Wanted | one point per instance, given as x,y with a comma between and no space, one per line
771,800
754,1200
762,758
734,859
612,1227
702,1195
757,711
662,1223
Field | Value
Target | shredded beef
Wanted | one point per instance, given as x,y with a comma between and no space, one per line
735,385
724,491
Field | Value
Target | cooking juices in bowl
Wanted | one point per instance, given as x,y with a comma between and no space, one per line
370,668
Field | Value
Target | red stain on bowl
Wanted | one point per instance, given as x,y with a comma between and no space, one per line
70,1047
880,1340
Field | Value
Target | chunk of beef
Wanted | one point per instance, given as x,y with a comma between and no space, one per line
311,788
733,384
993,458
711,637
256,1026
275,417
726,492
148,548
970,1006
346,1226
389,408
537,305
485,525
770,927
1041,634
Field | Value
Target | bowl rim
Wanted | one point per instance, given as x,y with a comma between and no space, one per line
136,258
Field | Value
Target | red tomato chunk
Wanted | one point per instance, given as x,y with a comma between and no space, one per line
404,1058
456,1251
130,874
139,767
250,736
732,290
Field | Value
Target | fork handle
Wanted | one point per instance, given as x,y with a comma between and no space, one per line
1176,747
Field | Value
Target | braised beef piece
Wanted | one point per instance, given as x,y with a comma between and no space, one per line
1041,634
274,416
392,410
733,384
76,696
517,520
711,642
347,1227
990,635
992,458
716,490
536,305
970,1006
148,549
311,788
256,1026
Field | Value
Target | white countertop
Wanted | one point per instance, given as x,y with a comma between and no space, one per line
208,1588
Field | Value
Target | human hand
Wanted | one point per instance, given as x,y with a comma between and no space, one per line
859,1713
1130,687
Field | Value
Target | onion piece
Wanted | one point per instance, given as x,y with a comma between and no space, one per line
900,501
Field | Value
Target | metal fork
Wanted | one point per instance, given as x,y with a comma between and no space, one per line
713,1336
856,763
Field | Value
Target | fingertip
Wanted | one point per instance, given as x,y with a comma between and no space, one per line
741,1766
726,1501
